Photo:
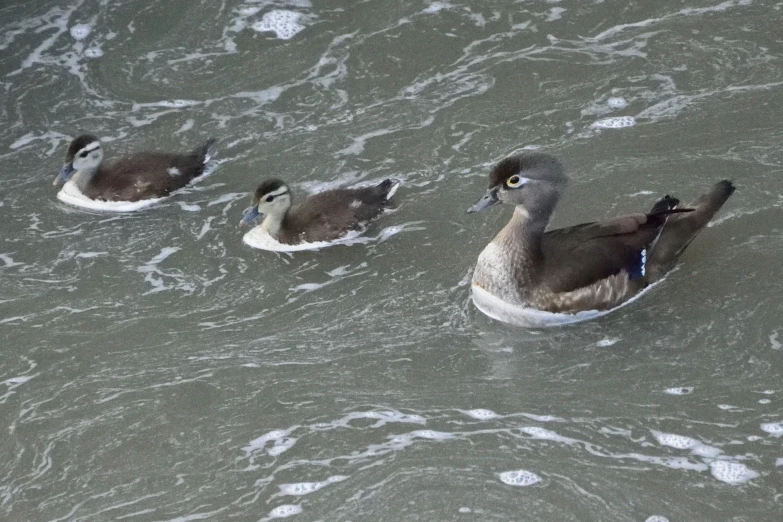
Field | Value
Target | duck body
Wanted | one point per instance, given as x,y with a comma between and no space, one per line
133,178
321,218
575,273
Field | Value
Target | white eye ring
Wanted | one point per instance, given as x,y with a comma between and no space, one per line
515,181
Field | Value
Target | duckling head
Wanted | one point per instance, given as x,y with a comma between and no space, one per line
272,199
532,182
84,156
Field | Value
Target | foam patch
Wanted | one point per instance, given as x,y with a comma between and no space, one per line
773,428
675,441
617,102
281,22
481,414
520,477
657,518
732,472
80,31
619,122
680,390
286,510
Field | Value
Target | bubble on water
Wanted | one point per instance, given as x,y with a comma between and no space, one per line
520,477
281,446
683,463
675,441
764,401
753,438
657,518
732,472
464,510
286,510
680,390
281,22
705,450
603,343
432,434
619,122
93,52
434,7
779,462
773,428
540,433
80,31
617,102
248,11
301,488
481,414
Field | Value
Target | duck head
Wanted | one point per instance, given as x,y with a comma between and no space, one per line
271,199
532,182
83,158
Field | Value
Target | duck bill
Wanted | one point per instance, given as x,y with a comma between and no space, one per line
486,201
64,174
251,214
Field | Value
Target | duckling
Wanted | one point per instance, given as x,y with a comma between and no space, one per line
322,217
144,175
589,267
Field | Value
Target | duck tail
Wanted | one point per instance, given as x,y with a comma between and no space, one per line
206,151
682,228
388,187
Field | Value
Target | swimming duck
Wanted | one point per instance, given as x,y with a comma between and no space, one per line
592,267
322,217
144,175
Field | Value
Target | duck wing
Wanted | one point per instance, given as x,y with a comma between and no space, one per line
580,256
147,175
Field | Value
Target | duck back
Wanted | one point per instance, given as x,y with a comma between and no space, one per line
327,216
147,175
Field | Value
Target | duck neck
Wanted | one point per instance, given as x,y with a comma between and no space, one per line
272,223
526,230
82,178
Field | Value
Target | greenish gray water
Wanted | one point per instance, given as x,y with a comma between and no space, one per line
155,368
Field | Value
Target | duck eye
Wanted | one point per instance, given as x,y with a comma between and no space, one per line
270,198
514,181
83,154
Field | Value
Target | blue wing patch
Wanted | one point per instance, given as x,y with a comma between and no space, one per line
637,267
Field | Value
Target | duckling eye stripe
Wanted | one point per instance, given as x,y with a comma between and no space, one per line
92,146
278,192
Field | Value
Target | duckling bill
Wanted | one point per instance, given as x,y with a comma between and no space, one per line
323,217
589,267
144,175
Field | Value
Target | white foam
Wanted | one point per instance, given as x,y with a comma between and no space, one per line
773,428
281,446
603,343
520,477
619,122
657,518
675,441
286,510
732,472
281,22
71,195
481,414
431,434
93,52
305,488
680,390
773,341
617,102
80,31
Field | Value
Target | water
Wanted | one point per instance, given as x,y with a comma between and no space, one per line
156,368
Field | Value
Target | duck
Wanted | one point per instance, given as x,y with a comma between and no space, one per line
323,217
533,277
141,176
